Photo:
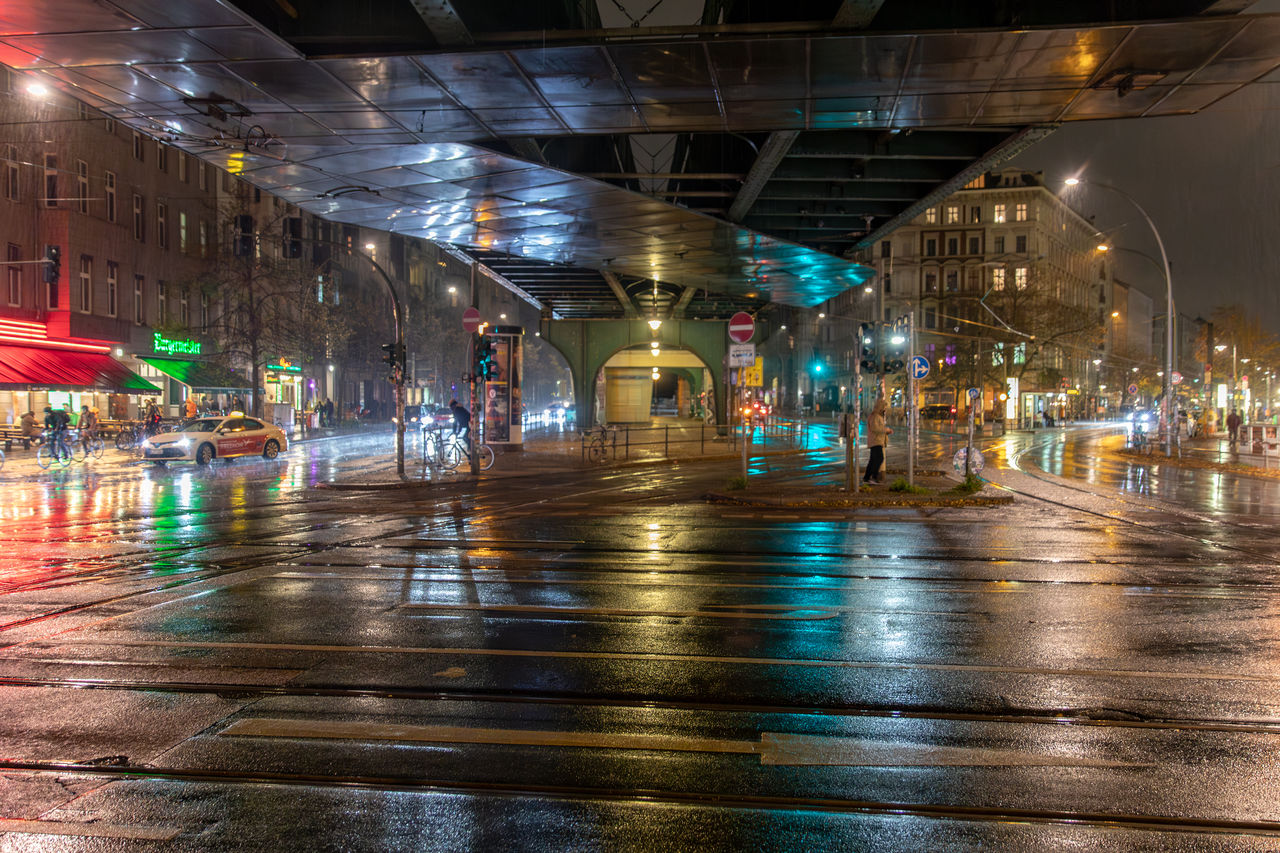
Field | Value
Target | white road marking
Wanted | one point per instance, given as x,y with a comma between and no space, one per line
774,749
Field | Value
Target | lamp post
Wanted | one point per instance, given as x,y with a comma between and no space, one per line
1234,377
1166,404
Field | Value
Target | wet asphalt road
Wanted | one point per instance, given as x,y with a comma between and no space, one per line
231,658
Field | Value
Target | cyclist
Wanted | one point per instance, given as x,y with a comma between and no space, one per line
88,427
152,425
57,424
461,421
30,430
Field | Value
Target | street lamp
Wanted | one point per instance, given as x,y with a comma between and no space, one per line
1166,404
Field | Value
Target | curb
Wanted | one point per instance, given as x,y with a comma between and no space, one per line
842,500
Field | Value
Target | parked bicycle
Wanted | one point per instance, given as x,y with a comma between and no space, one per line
598,441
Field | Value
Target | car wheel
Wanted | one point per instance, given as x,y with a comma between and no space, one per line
158,464
271,449
204,455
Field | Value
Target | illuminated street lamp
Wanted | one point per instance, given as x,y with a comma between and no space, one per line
1167,403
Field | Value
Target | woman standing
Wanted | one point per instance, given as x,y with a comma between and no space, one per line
877,434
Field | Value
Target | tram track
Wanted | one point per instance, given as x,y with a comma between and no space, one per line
718,800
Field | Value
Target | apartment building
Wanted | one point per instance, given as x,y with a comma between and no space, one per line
1009,294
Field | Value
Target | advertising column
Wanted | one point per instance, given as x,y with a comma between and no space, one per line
503,405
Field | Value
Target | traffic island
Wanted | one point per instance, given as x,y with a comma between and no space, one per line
932,489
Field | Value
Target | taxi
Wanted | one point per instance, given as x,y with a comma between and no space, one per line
206,439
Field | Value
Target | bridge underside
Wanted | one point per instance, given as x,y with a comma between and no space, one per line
702,167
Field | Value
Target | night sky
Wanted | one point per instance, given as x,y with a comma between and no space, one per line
1211,184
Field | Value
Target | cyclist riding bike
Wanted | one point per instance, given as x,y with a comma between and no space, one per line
461,421
88,428
151,426
57,423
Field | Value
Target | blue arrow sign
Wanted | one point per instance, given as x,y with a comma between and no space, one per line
919,367
975,393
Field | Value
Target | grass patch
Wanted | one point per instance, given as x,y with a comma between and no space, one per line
972,483
901,485
736,484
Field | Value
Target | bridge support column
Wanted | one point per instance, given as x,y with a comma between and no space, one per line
588,344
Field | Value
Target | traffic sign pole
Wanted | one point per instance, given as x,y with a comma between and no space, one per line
911,398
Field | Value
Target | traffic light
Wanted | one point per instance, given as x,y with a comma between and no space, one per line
394,355
870,355
484,357
52,264
895,357
292,236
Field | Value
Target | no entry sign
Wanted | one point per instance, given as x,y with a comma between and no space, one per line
471,319
741,327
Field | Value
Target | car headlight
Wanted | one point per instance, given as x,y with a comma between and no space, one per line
147,445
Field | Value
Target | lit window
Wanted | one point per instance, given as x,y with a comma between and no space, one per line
182,231
998,215
953,214
997,279
1020,212
931,216
1020,278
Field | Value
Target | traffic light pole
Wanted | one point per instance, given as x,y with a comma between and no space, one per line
910,402
397,370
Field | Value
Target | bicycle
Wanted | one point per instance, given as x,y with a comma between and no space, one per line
597,443
93,446
454,453
54,450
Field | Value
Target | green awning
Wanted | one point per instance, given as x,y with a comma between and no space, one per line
201,376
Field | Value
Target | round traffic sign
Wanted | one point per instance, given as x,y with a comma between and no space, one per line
471,319
975,464
741,327
919,367
1133,389
1177,378
975,393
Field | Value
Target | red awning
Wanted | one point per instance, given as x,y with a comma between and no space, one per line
67,370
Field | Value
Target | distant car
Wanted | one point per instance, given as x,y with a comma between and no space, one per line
938,412
414,416
438,416
1141,417
206,439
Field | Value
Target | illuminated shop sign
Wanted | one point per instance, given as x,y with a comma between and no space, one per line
285,366
183,347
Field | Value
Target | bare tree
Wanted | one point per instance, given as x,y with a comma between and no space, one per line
266,304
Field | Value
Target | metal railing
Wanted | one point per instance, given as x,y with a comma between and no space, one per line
626,441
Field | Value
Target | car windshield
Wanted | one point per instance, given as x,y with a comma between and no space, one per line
202,425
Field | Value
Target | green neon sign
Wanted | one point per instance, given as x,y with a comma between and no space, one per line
284,368
180,347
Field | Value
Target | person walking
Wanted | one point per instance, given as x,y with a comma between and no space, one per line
877,434
1233,428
